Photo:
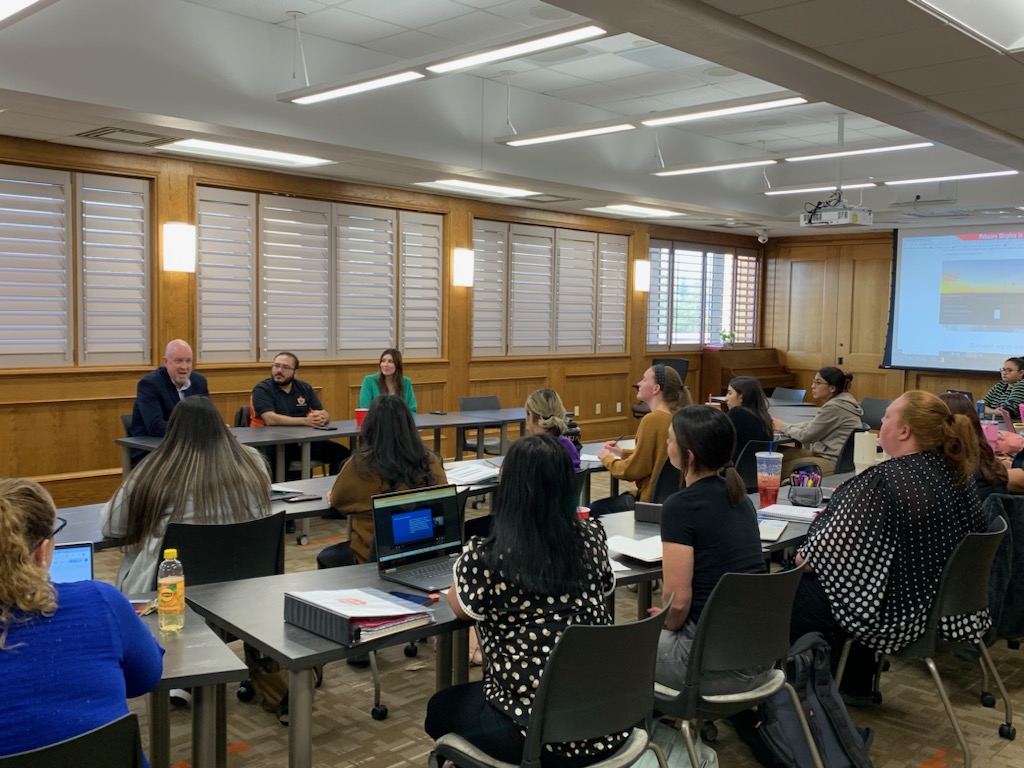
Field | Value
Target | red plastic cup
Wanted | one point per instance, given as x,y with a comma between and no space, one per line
583,513
360,415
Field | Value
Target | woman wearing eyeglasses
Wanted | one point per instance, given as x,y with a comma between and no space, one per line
1008,393
824,436
69,653
199,474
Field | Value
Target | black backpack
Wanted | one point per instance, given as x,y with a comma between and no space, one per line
840,743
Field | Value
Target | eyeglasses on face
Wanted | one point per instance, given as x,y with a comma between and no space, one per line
283,367
61,522
1009,370
818,382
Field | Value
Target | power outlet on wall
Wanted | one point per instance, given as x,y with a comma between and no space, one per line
618,407
576,410
597,409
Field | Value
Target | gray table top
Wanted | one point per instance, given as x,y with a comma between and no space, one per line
195,656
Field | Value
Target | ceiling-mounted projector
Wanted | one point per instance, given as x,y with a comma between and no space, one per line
837,216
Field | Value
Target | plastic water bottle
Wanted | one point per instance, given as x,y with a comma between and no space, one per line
170,586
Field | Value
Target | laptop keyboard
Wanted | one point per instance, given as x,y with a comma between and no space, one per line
442,568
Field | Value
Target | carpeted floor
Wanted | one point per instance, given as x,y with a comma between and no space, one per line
910,727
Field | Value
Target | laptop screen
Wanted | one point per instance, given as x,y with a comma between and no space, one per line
71,562
418,524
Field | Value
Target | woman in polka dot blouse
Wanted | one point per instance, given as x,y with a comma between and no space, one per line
540,570
875,556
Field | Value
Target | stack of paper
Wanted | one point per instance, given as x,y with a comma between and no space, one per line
471,472
771,529
789,512
648,550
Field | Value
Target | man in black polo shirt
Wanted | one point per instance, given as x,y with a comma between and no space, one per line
283,400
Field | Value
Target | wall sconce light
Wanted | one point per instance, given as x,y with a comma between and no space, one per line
462,267
642,275
179,247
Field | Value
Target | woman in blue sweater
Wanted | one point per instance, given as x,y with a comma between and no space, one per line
389,381
69,653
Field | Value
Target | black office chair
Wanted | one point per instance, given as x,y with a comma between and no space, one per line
668,481
746,464
787,395
126,423
492,445
844,463
212,553
725,641
963,589
874,410
573,703
114,745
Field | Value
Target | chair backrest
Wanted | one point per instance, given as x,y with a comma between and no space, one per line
481,403
740,602
574,703
963,587
211,553
746,463
681,365
785,394
874,409
242,416
668,481
114,745
845,461
126,422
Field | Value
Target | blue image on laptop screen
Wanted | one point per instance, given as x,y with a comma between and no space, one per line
71,563
417,525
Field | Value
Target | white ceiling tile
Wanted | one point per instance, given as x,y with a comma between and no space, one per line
543,81
636,107
354,28
533,13
410,45
831,22
653,83
593,93
694,97
477,26
620,43
603,66
481,3
272,11
411,14
662,57
787,147
749,87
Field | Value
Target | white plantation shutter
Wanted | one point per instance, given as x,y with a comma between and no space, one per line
687,295
659,299
490,246
576,278
744,320
420,283
226,275
611,292
365,243
35,274
295,277
717,295
113,231
531,289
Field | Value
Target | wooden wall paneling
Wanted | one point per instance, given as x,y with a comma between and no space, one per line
604,402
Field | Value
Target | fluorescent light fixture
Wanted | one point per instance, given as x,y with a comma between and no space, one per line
997,22
823,188
12,11
642,275
221,151
475,188
338,92
518,49
637,210
710,168
179,247
462,267
961,177
854,152
525,141
739,109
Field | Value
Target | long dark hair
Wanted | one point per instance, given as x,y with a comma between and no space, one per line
711,437
199,461
989,467
391,448
753,399
535,539
382,382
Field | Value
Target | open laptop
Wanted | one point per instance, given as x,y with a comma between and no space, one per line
419,536
72,562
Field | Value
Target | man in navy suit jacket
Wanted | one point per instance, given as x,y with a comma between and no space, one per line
160,390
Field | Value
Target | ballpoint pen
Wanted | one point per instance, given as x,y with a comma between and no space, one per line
616,440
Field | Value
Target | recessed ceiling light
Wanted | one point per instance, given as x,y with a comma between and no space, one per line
854,152
997,22
248,154
518,49
823,188
475,188
710,168
961,177
626,209
705,114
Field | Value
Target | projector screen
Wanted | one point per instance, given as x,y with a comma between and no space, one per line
957,299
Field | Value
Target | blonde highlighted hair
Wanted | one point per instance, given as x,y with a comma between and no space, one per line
27,515
548,410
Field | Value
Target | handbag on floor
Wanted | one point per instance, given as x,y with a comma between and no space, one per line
268,681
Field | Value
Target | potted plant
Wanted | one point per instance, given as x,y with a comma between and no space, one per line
728,337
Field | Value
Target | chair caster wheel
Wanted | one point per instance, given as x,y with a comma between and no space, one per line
302,539
987,699
1007,731
245,691
411,650
708,732
379,712
876,697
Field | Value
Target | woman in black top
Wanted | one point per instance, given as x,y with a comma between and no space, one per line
748,412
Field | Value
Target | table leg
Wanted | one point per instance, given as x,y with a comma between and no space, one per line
300,712
222,727
126,461
307,450
159,706
204,726
644,598
279,470
504,439
460,656
437,441
443,663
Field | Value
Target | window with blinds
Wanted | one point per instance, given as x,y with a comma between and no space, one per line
697,294
335,280
541,290
47,295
